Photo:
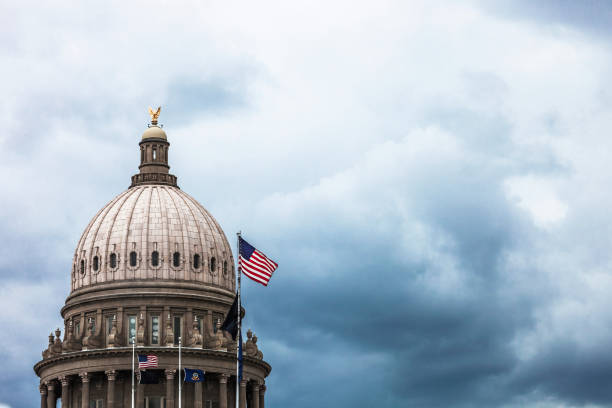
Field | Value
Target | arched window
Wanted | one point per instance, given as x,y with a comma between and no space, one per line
82,267
225,267
96,263
213,263
154,154
113,260
176,259
196,261
133,258
155,258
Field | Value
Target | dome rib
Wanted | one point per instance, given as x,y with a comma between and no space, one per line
191,270
214,241
126,237
108,275
185,251
144,239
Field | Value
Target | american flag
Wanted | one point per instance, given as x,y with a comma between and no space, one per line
147,361
255,264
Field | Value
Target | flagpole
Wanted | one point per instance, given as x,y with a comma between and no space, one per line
133,369
239,337
179,373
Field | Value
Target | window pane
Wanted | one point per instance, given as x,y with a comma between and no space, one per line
155,330
155,258
131,328
176,259
109,324
113,260
133,258
177,329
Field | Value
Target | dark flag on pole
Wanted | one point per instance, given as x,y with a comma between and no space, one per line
149,377
254,264
230,324
194,375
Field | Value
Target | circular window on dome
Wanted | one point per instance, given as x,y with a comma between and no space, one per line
82,267
196,261
133,259
155,258
176,259
96,263
213,264
113,260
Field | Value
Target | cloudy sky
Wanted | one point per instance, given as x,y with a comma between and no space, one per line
432,177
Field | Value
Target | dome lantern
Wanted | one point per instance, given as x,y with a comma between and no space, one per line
154,146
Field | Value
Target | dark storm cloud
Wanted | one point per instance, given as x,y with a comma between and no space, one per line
409,275
435,349
591,16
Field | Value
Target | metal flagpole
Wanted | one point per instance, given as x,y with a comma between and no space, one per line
133,369
179,373
239,329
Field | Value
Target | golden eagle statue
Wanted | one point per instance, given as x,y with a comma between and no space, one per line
154,114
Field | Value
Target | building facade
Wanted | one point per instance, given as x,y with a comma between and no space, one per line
152,267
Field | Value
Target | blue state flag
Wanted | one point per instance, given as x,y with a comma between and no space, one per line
194,375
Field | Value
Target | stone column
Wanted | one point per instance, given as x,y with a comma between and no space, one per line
243,384
223,390
51,394
170,388
43,395
140,402
111,375
262,391
197,396
255,394
65,392
84,390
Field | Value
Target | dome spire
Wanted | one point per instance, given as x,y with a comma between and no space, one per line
154,146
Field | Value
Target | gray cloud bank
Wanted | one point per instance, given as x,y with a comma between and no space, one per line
432,179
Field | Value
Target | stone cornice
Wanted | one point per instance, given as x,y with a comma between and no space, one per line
210,355
157,288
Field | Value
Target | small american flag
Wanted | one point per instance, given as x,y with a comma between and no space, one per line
147,361
255,264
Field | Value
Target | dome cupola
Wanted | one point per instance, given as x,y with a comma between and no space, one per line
154,146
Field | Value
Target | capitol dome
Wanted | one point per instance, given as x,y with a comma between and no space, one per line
153,232
153,271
